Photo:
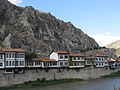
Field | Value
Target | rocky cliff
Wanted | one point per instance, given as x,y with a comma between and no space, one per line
39,31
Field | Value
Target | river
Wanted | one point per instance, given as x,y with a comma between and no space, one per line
98,84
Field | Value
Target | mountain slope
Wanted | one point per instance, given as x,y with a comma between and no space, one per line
118,52
115,45
39,32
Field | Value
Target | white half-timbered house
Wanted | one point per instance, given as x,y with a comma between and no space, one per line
62,57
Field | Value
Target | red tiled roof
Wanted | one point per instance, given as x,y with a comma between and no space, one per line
117,59
49,60
12,50
101,55
45,59
111,60
76,55
89,58
37,59
64,52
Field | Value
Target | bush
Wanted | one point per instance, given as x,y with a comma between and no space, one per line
30,55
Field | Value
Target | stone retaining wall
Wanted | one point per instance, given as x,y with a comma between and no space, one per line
48,74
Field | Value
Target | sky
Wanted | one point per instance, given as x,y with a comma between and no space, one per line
99,19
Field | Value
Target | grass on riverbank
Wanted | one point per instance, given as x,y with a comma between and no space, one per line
116,74
39,83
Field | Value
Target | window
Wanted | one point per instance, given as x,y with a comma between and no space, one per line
20,63
10,55
61,57
102,64
13,63
46,64
105,62
1,56
74,58
36,63
6,63
7,56
78,58
61,63
66,57
54,63
99,59
16,63
66,63
76,63
39,63
22,55
88,62
10,63
51,63
13,55
9,71
1,64
82,63
81,58
31,63
17,56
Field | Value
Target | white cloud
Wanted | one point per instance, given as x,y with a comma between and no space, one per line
105,39
16,2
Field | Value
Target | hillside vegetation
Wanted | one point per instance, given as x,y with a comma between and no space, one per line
115,45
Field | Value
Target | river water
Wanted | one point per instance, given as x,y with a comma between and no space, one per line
98,84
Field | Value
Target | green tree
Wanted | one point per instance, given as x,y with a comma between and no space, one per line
30,55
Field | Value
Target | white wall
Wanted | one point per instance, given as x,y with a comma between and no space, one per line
13,56
54,55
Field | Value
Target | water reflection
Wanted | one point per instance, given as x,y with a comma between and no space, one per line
99,84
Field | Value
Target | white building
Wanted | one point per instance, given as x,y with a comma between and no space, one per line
2,65
12,59
76,61
44,62
101,60
62,57
34,63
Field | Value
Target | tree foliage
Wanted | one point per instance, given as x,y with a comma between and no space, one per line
30,55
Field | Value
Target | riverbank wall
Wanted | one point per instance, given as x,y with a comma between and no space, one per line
51,74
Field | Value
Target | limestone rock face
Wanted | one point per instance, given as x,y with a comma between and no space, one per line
40,32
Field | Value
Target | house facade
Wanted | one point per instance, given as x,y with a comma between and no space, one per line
2,61
89,61
12,59
100,60
62,57
49,63
76,61
34,63
43,62
112,63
